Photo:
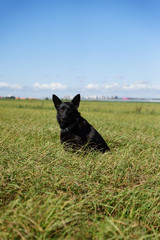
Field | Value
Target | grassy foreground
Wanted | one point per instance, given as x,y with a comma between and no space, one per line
47,193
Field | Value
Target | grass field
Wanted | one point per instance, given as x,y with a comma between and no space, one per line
47,193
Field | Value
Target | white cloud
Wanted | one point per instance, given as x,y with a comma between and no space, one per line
156,87
119,88
51,86
111,85
10,86
140,86
93,86
135,86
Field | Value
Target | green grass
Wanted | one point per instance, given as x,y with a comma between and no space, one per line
48,193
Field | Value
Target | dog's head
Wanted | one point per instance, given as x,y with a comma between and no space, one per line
66,111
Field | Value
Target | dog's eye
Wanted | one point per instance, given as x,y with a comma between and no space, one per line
62,109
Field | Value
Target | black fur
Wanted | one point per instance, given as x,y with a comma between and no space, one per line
75,130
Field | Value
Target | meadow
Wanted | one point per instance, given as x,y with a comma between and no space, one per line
49,193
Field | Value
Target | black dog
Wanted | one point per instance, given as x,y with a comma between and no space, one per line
75,130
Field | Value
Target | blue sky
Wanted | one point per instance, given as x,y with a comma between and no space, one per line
91,47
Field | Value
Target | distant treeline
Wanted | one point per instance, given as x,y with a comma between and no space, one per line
19,98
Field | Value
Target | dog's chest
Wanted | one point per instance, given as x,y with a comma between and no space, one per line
76,136
72,138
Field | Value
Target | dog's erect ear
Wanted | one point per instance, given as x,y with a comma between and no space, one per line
56,101
76,100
